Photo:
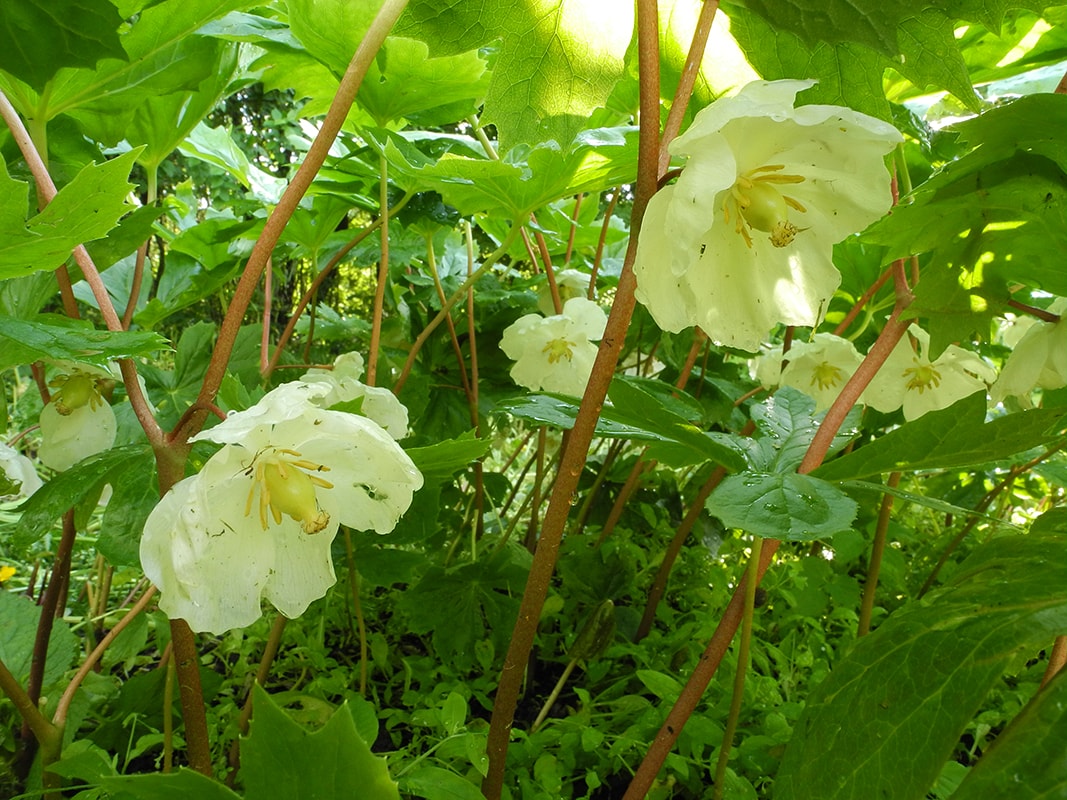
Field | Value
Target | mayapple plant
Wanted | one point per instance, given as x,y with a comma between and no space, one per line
743,240
259,519
468,161
555,353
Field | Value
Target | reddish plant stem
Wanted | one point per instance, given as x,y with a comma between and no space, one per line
268,296
383,275
63,707
604,228
472,346
280,215
1040,313
874,566
191,696
709,662
318,280
574,228
135,287
865,298
546,259
981,507
574,454
431,262
687,80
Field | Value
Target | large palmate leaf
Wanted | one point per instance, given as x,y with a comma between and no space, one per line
886,719
85,209
36,38
950,438
25,341
558,61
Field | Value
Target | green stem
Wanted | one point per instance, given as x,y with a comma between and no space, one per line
383,272
743,647
874,567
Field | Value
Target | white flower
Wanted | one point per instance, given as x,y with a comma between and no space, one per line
556,353
819,368
910,379
258,520
1039,360
569,283
378,404
78,421
743,240
19,471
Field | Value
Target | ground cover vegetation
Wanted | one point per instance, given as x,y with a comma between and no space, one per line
554,399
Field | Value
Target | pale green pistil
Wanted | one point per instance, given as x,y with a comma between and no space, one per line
826,376
557,349
923,377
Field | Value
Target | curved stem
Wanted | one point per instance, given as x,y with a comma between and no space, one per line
573,458
446,308
743,646
874,567
60,717
280,215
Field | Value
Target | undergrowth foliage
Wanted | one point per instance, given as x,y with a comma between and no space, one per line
461,399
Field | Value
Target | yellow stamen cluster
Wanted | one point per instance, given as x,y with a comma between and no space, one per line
75,390
826,376
557,349
759,205
923,377
285,488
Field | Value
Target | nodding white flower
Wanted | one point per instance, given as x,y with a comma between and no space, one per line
379,404
556,353
910,379
258,520
743,240
1039,360
78,421
569,283
819,368
19,471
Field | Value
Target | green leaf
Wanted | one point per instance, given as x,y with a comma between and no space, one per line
135,492
674,438
37,39
1031,746
331,30
405,83
788,423
468,604
281,759
85,209
525,179
25,342
782,506
434,783
215,146
180,785
887,718
950,438
67,489
17,634
922,500
448,457
558,61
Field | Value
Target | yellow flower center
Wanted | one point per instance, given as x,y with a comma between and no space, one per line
557,349
757,204
285,488
826,376
923,377
75,391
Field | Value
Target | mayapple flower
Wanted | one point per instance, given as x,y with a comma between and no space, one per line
569,283
259,519
377,403
819,368
743,240
1039,360
19,471
78,421
555,353
910,379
